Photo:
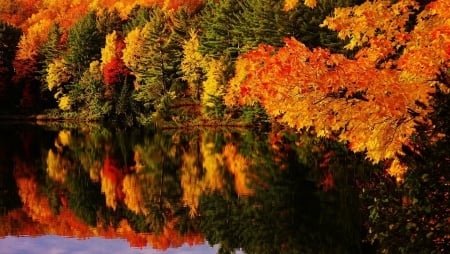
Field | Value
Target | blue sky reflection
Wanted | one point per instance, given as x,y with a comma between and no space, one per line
95,245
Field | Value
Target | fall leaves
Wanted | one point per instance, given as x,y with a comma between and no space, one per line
372,98
372,101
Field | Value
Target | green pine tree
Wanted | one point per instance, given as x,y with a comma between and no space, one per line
9,38
84,43
217,22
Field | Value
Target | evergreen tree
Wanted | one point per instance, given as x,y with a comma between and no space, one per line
87,95
217,22
9,38
304,24
108,21
84,43
151,54
138,17
52,48
260,21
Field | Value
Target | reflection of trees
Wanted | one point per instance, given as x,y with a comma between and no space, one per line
60,184
288,212
265,193
158,178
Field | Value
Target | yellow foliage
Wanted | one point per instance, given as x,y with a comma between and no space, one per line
289,4
57,75
108,187
134,199
95,70
311,3
214,85
377,24
133,50
64,102
57,166
193,62
109,51
397,170
238,166
33,38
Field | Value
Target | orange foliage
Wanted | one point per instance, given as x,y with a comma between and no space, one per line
115,71
238,166
327,182
111,182
171,238
373,101
15,12
36,218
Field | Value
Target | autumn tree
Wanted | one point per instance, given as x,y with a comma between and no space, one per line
26,63
374,101
57,80
305,21
214,88
116,77
193,64
16,12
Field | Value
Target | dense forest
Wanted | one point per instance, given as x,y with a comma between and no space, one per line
366,73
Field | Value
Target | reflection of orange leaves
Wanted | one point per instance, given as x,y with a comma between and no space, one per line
136,240
191,182
57,166
171,238
34,202
238,166
139,165
327,182
111,183
133,194
111,171
326,159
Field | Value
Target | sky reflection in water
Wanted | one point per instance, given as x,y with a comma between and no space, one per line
62,245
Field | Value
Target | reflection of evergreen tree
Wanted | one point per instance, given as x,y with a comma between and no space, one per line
9,38
9,198
84,197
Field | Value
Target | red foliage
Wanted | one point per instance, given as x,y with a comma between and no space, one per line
115,175
115,71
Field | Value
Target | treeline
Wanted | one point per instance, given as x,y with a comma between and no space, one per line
155,62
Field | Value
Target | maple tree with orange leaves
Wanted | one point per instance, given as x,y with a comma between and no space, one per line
372,101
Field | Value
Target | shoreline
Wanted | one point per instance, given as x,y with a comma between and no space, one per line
42,119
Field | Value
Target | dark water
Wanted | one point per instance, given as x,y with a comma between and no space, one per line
93,189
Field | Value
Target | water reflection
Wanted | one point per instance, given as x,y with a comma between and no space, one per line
274,192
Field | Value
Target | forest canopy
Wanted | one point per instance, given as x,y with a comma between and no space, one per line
363,72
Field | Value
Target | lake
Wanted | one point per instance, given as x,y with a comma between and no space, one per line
68,188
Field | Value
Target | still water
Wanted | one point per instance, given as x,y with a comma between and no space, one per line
91,189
